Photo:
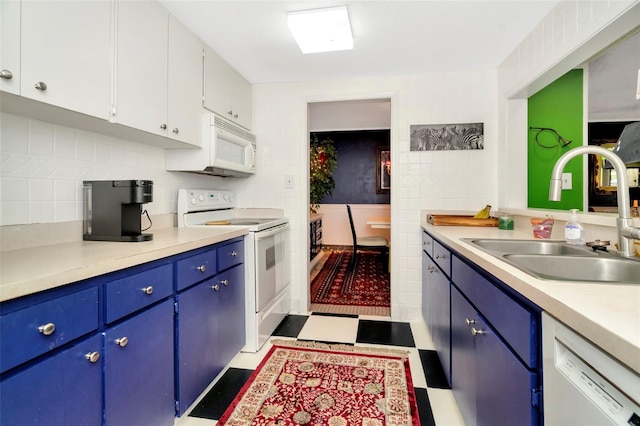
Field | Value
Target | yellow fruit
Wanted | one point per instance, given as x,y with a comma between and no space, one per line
484,213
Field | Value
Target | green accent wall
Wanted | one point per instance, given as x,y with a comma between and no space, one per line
559,107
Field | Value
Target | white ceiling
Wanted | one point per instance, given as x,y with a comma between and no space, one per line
390,37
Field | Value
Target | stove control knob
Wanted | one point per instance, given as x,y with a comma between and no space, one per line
193,200
226,197
201,197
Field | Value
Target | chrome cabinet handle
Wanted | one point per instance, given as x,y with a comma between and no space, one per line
176,130
6,74
47,329
440,256
148,289
225,282
235,115
163,126
230,112
234,253
122,341
476,332
469,321
426,243
41,85
93,357
216,287
431,269
201,268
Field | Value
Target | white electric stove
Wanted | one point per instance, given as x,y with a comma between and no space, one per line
267,270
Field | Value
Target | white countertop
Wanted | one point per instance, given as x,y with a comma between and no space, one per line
31,270
606,314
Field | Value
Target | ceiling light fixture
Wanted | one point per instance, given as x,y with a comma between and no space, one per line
321,30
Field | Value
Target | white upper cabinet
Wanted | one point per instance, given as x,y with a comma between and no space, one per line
10,46
65,54
226,92
185,84
141,66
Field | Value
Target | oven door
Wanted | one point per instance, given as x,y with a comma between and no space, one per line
272,263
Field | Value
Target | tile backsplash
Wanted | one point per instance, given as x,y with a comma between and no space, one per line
42,167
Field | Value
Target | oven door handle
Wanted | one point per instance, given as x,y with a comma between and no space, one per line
271,231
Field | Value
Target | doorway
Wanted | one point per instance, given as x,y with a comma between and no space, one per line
360,131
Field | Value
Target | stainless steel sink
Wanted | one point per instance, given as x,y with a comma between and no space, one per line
602,268
530,247
557,260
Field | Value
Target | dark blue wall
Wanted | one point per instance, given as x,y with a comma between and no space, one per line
355,174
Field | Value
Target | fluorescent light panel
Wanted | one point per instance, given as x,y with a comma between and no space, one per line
321,30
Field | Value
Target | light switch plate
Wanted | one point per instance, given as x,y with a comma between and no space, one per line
567,181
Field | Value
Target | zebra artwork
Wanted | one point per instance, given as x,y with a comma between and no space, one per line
438,137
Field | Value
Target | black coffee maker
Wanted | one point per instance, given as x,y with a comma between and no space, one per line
113,209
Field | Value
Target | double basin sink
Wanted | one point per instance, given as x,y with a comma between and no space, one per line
556,260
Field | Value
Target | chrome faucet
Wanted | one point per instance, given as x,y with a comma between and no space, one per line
626,232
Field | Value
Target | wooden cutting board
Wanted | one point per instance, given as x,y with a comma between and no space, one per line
459,220
218,222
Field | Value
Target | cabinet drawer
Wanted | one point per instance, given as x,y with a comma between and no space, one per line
442,257
195,269
230,255
427,243
516,324
40,328
136,291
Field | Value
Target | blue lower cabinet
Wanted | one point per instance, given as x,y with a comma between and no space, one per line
490,384
198,357
65,389
211,331
139,369
231,319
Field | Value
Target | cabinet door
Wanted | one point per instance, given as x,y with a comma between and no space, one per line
198,357
139,372
10,46
463,356
65,389
503,384
185,84
66,45
242,104
141,71
218,84
230,316
440,305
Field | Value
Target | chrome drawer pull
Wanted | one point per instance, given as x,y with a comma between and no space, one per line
176,130
440,256
475,331
6,74
469,321
47,329
426,243
93,357
163,126
41,85
216,287
122,341
202,268
148,290
225,282
234,253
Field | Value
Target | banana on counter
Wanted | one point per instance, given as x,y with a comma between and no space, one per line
485,213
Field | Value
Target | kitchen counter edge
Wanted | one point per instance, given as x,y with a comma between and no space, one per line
36,269
606,314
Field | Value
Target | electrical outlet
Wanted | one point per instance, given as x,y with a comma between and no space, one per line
288,182
567,181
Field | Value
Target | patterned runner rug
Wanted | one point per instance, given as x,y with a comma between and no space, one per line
326,385
367,284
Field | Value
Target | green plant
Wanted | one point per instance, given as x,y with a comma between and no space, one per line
323,160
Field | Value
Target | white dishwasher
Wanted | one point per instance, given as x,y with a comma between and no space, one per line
583,385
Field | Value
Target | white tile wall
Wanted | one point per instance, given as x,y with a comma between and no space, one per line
42,167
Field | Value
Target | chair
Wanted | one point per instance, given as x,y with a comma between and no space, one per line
368,243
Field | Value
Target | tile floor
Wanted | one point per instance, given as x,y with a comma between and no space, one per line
436,405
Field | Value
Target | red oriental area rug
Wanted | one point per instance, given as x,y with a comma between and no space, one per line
367,284
335,386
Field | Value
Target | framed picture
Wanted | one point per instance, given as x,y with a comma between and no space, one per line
441,137
383,169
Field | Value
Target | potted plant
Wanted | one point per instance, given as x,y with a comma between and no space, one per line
322,162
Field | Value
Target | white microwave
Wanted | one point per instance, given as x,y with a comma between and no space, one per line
227,150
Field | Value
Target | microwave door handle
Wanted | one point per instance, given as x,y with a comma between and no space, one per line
253,158
270,232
